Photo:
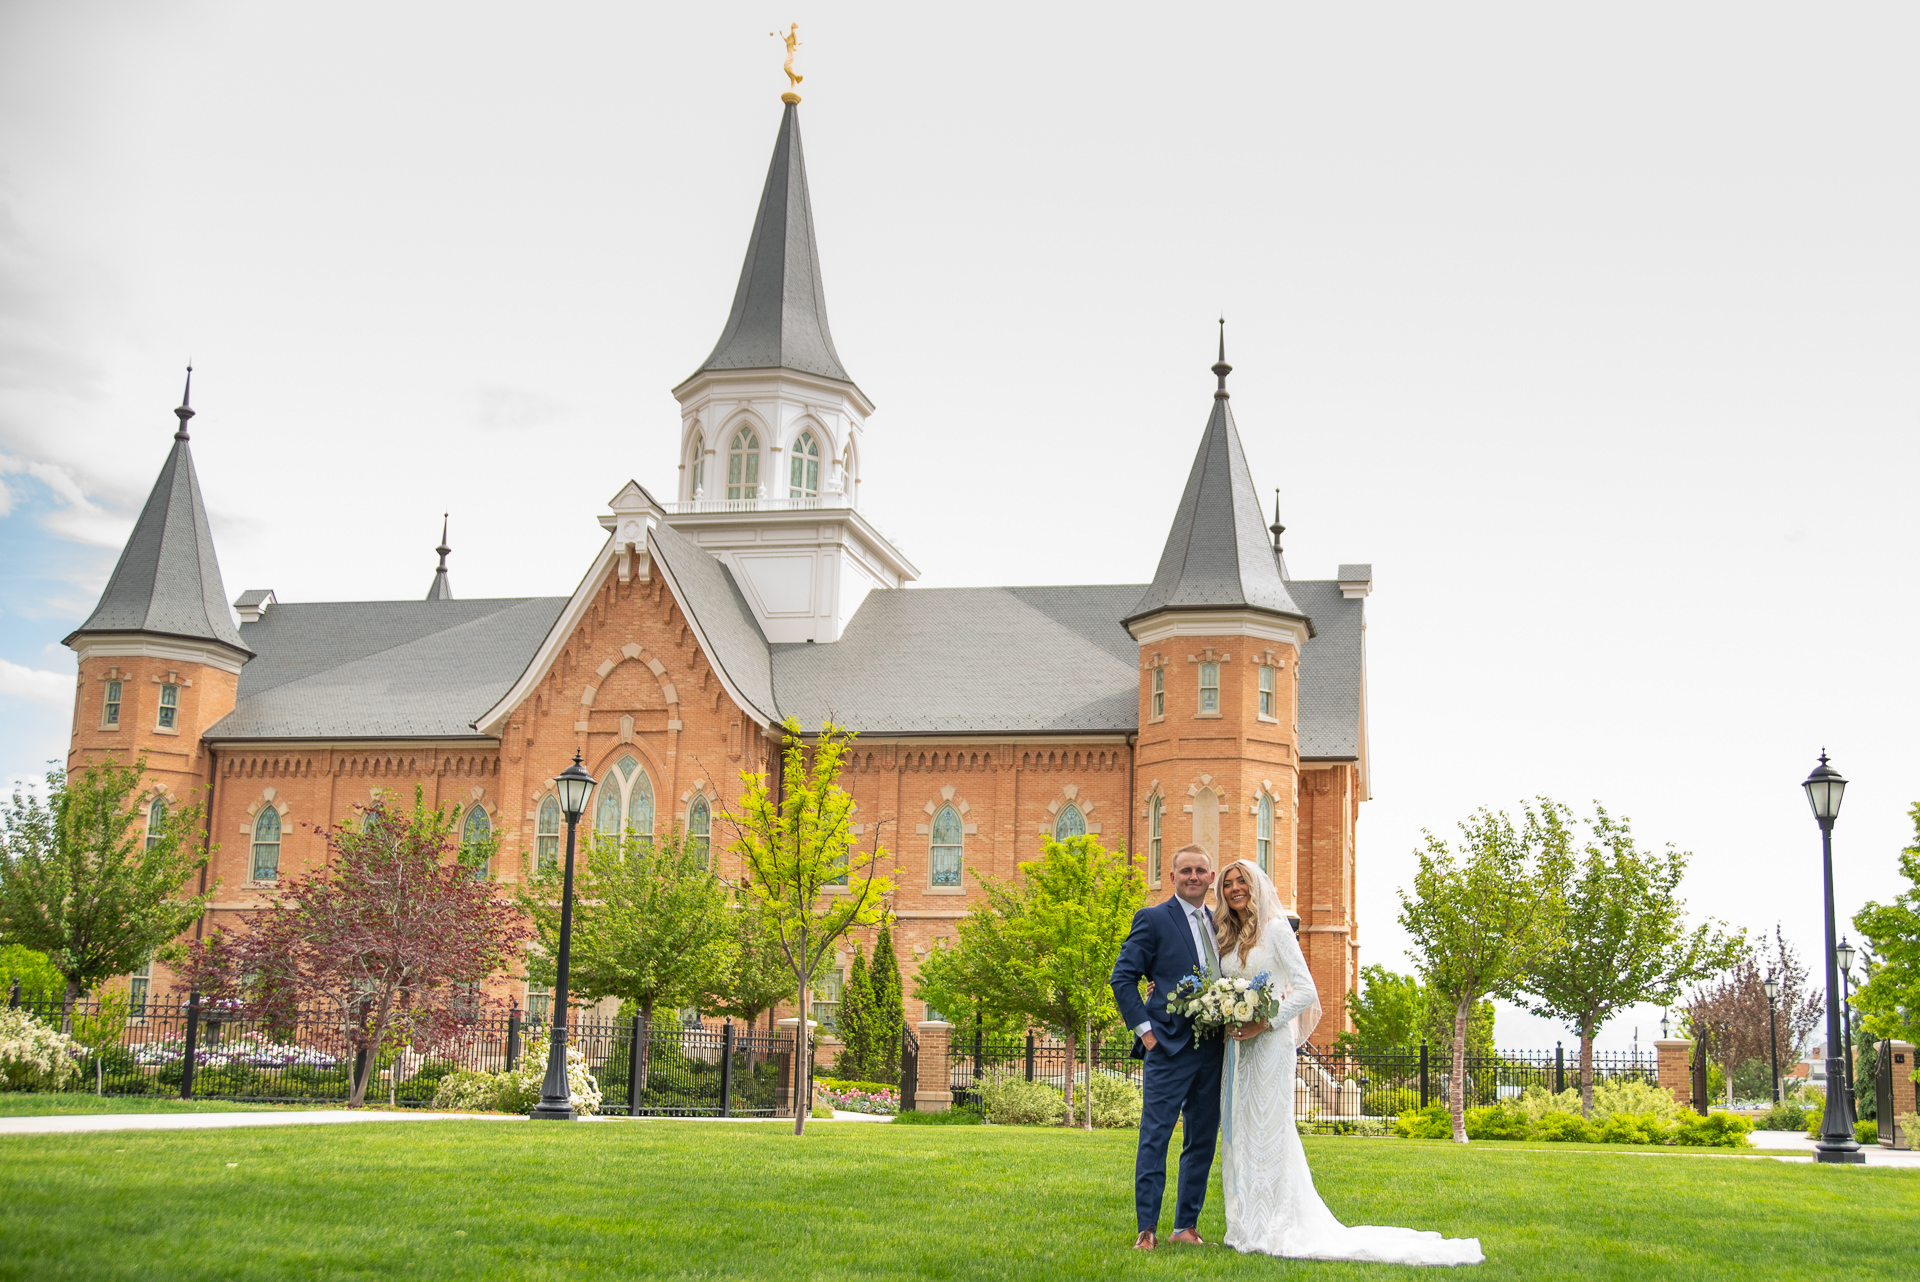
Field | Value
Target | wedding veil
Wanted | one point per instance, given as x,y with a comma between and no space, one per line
1272,916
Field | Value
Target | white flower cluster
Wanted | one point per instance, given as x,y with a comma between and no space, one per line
1224,1004
35,1055
255,1050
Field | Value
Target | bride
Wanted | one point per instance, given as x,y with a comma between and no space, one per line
1272,1208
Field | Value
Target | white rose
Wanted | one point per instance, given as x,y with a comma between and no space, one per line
1243,1011
1223,985
1241,985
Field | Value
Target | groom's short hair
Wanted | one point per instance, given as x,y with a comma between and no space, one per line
1193,850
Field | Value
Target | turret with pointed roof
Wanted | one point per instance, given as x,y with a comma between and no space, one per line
779,316
1218,555
167,582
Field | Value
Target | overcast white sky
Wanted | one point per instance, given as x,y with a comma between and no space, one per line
1592,328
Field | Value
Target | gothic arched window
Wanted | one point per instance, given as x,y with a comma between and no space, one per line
546,840
697,468
1070,824
640,805
806,468
477,829
156,822
947,847
1263,835
699,827
626,800
743,465
266,845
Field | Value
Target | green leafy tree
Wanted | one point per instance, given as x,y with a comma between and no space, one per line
1624,935
31,970
756,978
971,979
85,883
809,883
1437,1032
651,923
1889,1002
889,1010
1391,1011
855,1020
1480,918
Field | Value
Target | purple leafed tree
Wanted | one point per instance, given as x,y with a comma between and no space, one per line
390,941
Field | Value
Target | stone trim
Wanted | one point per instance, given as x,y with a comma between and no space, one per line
1070,793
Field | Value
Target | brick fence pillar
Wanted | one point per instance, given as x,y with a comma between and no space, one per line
933,1090
1675,1057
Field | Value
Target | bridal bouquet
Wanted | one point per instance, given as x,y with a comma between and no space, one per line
1216,1004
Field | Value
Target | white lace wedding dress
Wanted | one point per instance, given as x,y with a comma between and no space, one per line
1272,1207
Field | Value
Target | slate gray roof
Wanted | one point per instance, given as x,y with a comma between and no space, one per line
382,669
779,317
1355,573
168,580
1219,554
1033,660
714,601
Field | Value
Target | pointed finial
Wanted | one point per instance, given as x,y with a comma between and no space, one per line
441,589
1277,528
443,549
1221,369
185,411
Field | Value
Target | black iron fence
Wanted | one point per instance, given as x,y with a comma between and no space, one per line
1333,1090
192,1050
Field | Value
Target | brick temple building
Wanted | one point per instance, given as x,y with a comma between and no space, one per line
1223,702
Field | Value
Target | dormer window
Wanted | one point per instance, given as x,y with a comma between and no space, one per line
169,715
743,465
806,468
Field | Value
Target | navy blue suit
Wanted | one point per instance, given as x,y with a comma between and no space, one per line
1182,1072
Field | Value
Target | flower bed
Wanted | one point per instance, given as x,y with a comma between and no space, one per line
857,1097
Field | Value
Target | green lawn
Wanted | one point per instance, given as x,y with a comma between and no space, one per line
619,1198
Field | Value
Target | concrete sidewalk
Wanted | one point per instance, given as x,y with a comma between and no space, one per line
1798,1141
71,1123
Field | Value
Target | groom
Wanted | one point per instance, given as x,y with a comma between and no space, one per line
1182,1073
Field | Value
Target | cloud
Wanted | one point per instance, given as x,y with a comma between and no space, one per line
19,682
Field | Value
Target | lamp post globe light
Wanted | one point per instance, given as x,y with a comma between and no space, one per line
1844,955
572,786
1824,788
1772,986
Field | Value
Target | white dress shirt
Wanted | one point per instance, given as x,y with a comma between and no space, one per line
1200,923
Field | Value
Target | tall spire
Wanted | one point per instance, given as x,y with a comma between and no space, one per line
1217,555
779,317
441,590
167,581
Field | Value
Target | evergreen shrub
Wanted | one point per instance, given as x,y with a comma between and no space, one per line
1116,1101
1867,1132
1433,1122
1784,1116
1011,1100
1495,1122
1715,1130
1565,1128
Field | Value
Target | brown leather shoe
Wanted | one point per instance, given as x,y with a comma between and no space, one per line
1187,1237
1145,1242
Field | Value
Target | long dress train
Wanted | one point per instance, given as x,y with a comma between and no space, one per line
1272,1206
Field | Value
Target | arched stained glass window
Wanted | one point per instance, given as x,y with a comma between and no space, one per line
156,822
699,827
546,839
743,465
266,845
1263,834
640,805
606,814
477,829
805,476
947,843
1070,823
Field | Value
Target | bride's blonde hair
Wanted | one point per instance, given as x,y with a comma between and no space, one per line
1234,928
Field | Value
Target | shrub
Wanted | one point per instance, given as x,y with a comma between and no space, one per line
1497,1122
1634,1128
1715,1130
1389,1101
1909,1124
1783,1116
1011,1100
425,1084
966,1116
34,1056
518,1089
1433,1122
1537,1101
823,1112
1867,1132
1116,1101
840,1085
1632,1095
1562,1128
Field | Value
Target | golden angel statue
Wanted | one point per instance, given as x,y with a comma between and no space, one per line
793,42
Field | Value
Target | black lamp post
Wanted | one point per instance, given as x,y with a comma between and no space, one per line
1824,790
1844,955
573,785
1772,986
